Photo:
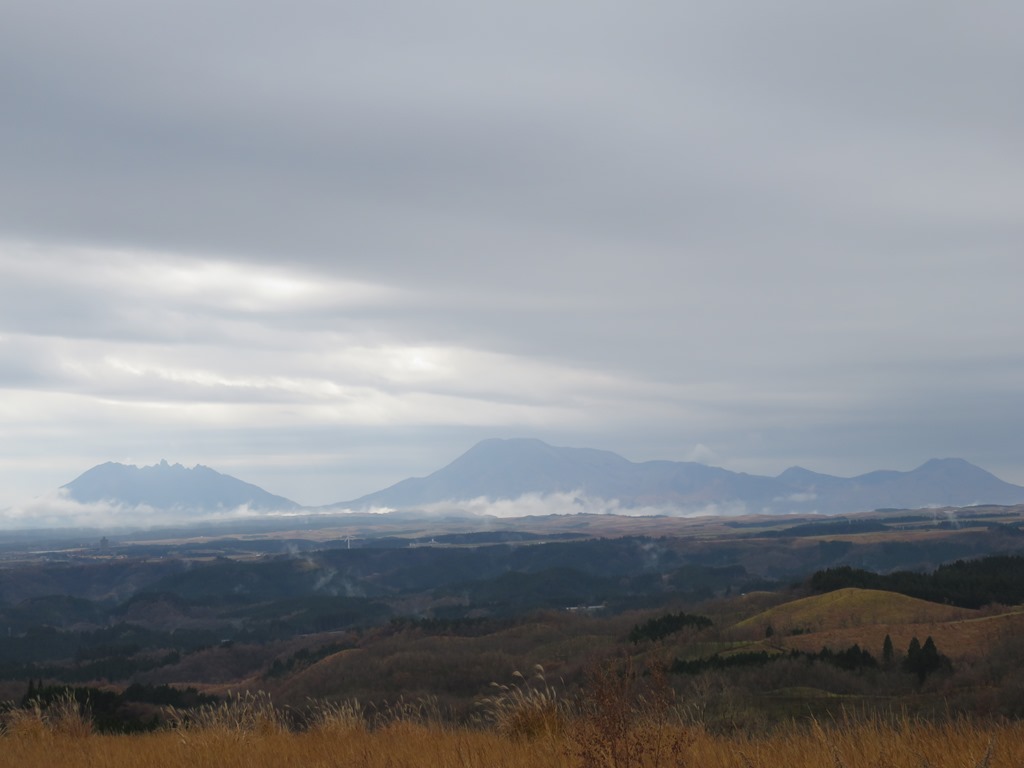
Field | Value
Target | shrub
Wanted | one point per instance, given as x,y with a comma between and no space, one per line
628,719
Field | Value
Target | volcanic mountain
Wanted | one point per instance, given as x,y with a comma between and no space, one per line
166,486
508,469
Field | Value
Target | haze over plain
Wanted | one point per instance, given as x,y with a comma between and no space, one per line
324,247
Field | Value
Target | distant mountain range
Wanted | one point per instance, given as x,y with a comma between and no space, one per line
172,487
509,469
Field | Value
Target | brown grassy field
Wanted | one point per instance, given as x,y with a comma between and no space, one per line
616,715
453,670
962,639
839,619
853,608
874,744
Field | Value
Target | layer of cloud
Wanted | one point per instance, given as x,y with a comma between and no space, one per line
328,246
575,503
57,509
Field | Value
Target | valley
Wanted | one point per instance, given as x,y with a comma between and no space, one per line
380,608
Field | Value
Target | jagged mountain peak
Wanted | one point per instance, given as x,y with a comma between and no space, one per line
171,486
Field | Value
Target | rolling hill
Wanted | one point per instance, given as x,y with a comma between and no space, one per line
852,608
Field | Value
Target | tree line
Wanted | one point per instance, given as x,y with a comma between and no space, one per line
964,583
920,659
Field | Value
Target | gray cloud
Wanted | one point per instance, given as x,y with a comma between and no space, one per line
772,235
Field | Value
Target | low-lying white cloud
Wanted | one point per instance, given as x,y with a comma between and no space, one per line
58,510
576,503
798,497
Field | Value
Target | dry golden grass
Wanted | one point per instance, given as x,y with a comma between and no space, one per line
526,708
403,744
627,719
851,607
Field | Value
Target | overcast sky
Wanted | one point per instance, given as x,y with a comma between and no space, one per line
323,246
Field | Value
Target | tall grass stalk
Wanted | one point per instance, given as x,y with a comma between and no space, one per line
525,708
240,713
248,732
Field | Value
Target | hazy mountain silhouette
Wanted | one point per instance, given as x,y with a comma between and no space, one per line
171,486
507,469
